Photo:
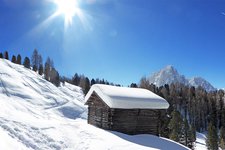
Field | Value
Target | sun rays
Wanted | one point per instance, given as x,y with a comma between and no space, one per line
66,19
67,8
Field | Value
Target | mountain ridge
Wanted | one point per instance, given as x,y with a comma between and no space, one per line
169,75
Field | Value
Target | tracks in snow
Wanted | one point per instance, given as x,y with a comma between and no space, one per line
4,89
32,137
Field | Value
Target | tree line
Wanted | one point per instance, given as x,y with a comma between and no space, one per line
49,72
35,63
192,109
84,82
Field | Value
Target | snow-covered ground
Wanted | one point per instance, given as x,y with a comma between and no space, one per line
35,114
200,142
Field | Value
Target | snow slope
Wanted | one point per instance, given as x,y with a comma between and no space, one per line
35,114
170,75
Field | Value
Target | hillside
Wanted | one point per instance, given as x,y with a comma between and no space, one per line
37,115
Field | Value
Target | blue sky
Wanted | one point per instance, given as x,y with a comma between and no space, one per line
121,40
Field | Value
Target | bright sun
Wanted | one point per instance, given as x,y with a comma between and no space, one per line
68,8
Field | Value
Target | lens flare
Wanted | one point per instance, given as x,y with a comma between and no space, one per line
67,8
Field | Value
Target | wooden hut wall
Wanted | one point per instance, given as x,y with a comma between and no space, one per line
135,121
98,112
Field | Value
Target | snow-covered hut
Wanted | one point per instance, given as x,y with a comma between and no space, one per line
123,109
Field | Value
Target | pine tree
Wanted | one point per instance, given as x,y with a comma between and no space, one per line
222,138
47,69
52,63
18,60
223,117
87,85
50,73
35,68
57,79
222,144
41,69
220,105
144,83
35,60
76,79
106,82
212,137
193,130
82,83
164,121
40,60
133,85
213,114
1,55
54,77
6,55
102,81
191,137
186,130
175,126
26,62
92,81
13,59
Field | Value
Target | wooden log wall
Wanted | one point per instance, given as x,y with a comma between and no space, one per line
135,121
129,121
98,112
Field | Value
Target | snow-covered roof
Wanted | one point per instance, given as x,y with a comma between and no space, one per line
127,98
